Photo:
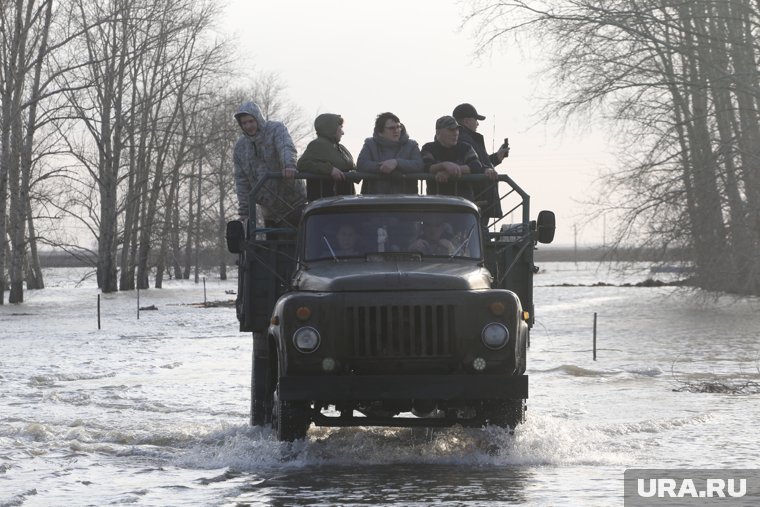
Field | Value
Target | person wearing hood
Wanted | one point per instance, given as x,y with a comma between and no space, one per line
468,118
325,155
265,146
390,153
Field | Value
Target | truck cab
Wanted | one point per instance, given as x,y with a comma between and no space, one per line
391,310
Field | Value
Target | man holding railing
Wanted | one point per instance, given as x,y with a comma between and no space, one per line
265,146
449,159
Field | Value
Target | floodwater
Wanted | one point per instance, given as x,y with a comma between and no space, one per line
154,411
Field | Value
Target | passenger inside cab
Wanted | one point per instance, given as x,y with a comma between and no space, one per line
435,237
346,240
331,236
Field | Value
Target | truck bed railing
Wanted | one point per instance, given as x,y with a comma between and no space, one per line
512,197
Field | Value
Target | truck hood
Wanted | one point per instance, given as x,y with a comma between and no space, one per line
359,275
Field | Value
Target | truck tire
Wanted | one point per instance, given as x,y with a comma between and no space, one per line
290,419
261,388
261,396
505,413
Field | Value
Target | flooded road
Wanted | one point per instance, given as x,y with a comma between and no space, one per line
155,411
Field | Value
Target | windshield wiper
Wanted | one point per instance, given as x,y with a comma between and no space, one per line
464,243
329,247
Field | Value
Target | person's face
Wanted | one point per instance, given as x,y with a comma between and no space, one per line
249,124
470,123
346,237
433,230
391,130
339,133
448,137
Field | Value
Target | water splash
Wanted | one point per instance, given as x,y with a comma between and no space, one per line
540,441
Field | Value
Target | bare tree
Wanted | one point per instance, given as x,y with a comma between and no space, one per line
220,134
24,29
24,214
679,81
145,60
101,108
124,95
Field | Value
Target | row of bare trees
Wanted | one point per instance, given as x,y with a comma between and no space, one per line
678,81
116,121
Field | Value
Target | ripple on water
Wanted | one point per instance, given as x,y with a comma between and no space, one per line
579,371
53,378
655,425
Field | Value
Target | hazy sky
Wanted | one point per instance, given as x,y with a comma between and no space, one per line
358,59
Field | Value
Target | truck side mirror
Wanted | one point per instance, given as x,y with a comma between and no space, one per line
235,234
546,226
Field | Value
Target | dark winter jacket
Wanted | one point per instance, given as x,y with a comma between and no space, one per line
484,192
378,149
461,154
324,153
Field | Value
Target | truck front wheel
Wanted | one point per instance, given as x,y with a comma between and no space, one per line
505,413
261,385
290,419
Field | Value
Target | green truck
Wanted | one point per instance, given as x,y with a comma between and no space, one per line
390,310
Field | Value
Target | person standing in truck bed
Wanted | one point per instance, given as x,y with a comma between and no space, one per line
325,155
449,159
486,194
389,153
265,146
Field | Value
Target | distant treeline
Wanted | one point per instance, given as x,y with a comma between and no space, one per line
545,253
551,253
206,259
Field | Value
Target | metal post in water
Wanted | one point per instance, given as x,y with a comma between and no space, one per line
98,311
594,336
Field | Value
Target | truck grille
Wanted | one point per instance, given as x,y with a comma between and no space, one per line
401,331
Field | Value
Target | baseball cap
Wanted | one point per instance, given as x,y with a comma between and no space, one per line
467,111
446,122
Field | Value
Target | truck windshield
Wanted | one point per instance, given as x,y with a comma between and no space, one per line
356,234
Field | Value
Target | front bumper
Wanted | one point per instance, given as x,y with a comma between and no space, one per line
403,387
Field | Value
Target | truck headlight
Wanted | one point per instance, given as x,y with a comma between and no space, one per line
495,335
306,339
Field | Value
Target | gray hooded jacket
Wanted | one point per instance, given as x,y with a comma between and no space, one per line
271,149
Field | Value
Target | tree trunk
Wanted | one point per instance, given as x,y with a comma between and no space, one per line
709,238
5,158
34,272
198,222
190,226
747,90
221,243
35,278
166,233
131,215
112,124
743,240
174,232
16,188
